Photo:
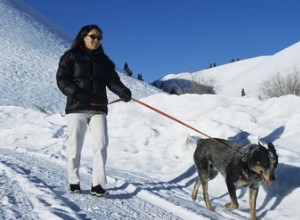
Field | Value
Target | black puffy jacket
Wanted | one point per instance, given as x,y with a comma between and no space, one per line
83,77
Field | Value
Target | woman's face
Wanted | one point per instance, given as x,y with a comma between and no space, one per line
93,39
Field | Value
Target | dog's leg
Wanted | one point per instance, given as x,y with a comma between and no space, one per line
195,189
205,192
205,195
252,202
232,193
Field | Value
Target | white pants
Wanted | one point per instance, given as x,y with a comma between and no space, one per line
78,123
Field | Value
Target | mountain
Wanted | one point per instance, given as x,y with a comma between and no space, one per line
250,74
150,164
30,50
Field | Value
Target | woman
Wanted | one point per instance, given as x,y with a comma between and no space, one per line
83,74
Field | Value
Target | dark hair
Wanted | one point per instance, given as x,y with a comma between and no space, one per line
78,41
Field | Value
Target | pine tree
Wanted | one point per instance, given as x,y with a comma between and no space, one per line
243,92
127,70
140,77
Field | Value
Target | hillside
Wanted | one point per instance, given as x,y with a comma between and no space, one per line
230,79
30,51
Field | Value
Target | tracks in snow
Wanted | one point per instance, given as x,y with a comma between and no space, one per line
35,187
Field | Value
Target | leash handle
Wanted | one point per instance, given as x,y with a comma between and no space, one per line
112,102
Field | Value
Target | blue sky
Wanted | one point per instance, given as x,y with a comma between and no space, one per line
159,37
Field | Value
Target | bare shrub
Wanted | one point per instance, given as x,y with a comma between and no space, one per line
280,85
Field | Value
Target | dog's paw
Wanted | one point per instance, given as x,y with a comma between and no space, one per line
231,206
194,197
211,208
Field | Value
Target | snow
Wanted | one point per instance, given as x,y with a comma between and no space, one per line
150,167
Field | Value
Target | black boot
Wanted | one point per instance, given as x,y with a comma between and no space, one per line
98,191
75,188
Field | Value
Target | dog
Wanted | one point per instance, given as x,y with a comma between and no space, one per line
240,165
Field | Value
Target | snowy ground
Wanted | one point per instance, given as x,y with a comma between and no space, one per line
150,166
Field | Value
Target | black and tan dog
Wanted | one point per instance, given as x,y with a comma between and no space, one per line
245,165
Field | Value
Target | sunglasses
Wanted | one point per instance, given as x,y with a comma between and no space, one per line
94,36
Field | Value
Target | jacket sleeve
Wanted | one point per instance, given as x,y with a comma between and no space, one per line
64,76
116,86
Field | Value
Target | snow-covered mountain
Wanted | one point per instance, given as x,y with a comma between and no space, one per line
150,167
249,74
30,50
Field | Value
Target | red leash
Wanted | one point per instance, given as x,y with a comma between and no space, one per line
172,118
112,102
169,116
156,110
184,124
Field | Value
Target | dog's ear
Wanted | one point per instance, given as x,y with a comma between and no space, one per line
271,147
272,150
